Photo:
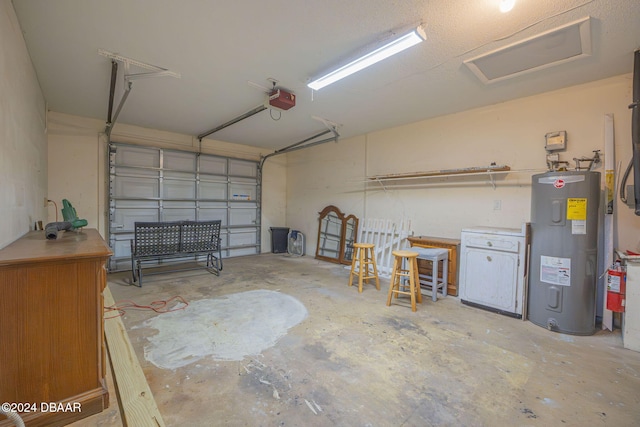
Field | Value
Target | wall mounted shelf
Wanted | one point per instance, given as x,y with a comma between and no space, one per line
444,172
489,171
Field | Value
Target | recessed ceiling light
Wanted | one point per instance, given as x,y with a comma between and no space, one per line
506,5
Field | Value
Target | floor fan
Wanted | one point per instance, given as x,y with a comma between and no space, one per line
295,244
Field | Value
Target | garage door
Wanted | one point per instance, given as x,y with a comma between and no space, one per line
156,184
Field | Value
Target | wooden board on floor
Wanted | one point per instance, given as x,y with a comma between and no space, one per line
137,405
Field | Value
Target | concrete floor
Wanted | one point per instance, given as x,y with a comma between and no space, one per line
356,362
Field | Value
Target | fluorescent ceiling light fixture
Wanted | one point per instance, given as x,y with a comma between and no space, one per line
403,42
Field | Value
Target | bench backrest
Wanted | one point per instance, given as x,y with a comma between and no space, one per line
157,238
167,238
200,236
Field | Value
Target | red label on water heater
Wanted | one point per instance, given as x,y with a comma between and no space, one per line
559,183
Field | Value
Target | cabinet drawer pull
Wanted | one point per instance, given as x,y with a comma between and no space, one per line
489,244
489,258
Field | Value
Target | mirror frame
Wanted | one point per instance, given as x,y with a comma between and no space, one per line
343,253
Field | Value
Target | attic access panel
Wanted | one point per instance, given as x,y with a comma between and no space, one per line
557,46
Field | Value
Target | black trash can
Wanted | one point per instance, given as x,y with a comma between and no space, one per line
279,236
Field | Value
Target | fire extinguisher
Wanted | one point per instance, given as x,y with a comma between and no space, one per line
616,287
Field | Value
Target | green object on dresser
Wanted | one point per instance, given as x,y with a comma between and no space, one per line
69,214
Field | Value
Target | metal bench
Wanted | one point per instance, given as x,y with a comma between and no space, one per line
156,241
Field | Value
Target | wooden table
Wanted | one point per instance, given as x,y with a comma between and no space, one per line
51,324
453,245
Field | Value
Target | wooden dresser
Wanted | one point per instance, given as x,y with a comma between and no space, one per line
52,353
453,245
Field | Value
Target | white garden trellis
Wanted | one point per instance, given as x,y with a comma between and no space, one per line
387,236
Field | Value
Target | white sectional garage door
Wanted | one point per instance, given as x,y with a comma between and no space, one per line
155,184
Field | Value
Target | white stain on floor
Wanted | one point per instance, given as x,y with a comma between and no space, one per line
227,328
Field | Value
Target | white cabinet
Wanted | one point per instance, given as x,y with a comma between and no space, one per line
492,269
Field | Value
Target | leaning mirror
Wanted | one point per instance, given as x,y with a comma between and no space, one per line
336,235
350,228
329,234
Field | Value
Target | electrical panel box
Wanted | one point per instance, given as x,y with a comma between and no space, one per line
282,99
556,141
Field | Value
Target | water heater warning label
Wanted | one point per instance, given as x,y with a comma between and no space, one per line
577,214
578,227
577,209
556,271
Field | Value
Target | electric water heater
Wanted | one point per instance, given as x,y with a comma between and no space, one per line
564,246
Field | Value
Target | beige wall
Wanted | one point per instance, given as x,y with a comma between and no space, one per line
297,186
511,133
23,143
77,167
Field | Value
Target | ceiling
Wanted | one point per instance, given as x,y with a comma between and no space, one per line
226,51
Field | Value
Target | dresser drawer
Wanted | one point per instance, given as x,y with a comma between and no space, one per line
491,242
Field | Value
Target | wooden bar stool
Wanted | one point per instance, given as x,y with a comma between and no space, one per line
410,272
365,258
435,255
